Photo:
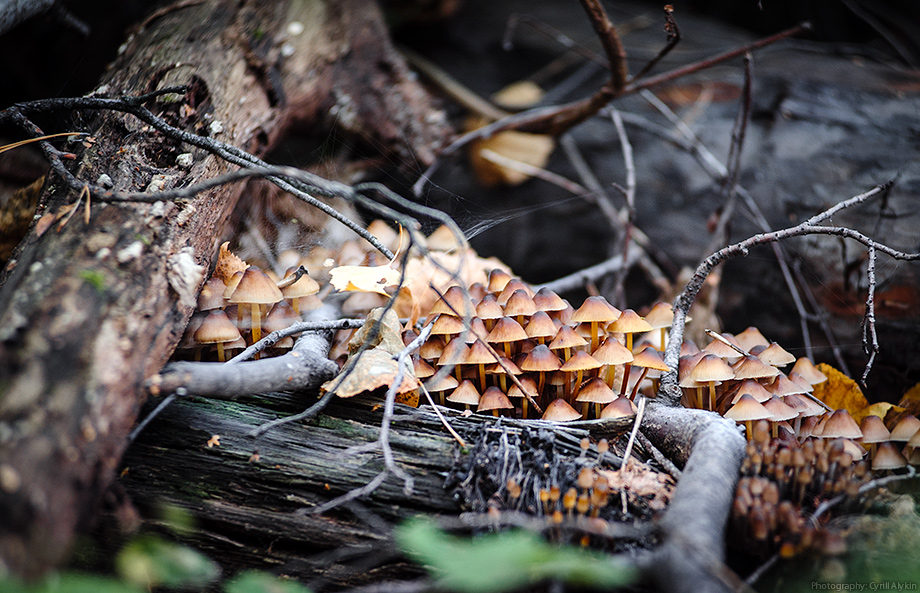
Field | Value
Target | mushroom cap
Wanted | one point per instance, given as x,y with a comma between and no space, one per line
806,368
780,410
752,388
751,337
233,283
530,387
494,399
477,331
488,308
256,287
498,369
596,309
455,352
686,364
747,408
422,369
513,285
519,303
442,384
629,322
723,350
541,326
751,367
621,407
887,456
903,430
465,393
453,302
505,330
841,425
498,278
651,359
567,338
541,358
775,355
873,430
216,328
281,316
580,361
547,300
560,411
446,325
611,351
804,405
595,391
432,348
479,353
212,295
711,368
660,315
800,381
305,286
783,386
688,347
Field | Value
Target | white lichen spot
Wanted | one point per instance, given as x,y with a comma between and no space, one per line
184,160
216,127
158,209
102,90
184,276
295,28
287,50
132,251
157,184
104,181
103,253
36,267
186,215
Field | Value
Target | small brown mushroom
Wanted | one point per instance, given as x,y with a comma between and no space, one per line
494,400
560,411
596,311
255,289
217,329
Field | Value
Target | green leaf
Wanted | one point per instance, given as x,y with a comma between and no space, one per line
72,582
150,561
256,581
506,561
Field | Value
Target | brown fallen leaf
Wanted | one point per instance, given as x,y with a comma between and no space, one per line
228,263
375,368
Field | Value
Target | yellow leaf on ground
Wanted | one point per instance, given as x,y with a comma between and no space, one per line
375,368
911,400
387,333
364,278
880,409
840,391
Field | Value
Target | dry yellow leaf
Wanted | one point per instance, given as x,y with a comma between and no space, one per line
518,95
364,278
839,391
911,400
388,335
529,149
228,263
375,368
880,409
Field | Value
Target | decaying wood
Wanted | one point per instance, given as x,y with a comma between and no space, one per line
89,311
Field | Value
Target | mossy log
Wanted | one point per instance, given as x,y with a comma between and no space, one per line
88,311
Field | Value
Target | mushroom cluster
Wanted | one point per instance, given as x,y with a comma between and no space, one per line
236,313
511,346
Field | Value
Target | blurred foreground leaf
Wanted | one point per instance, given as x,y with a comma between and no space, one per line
149,561
256,581
506,561
72,582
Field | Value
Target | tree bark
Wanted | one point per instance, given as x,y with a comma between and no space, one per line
88,311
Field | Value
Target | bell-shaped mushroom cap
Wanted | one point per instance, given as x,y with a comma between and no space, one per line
629,322
529,385
806,368
513,285
212,295
660,315
506,330
488,308
498,279
455,352
887,456
595,391
751,337
422,369
902,431
621,407
547,300
685,365
841,425
466,394
651,359
541,358
281,316
304,286
541,326
596,309
432,348
453,302
447,382
446,325
519,303
751,367
800,381
873,430
233,283
494,399
216,328
752,388
688,347
506,367
747,408
580,361
477,331
711,368
780,410
567,338
560,411
479,353
612,352
257,288
722,350
782,386
775,355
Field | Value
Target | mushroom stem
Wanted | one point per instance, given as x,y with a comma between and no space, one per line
712,395
295,304
593,336
748,429
256,325
635,390
524,408
482,379
220,352
626,368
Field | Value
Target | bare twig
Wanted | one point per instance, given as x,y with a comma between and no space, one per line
870,336
870,485
547,176
441,417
